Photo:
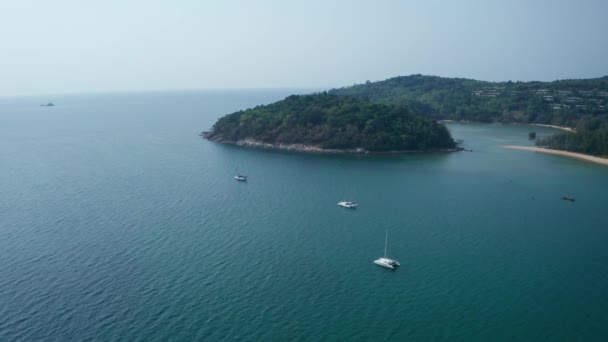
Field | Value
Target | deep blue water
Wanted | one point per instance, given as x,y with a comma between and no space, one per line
118,222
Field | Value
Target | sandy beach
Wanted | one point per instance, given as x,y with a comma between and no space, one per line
563,128
598,160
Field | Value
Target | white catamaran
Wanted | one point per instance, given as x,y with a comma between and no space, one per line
348,204
239,177
386,261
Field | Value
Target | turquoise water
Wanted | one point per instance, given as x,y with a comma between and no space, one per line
117,222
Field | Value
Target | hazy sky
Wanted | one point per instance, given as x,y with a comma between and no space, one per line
61,46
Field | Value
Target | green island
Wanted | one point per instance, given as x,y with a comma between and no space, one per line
326,122
578,104
401,113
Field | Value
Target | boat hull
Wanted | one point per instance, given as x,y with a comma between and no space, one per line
388,263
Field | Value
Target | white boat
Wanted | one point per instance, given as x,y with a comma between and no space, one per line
386,261
241,178
348,204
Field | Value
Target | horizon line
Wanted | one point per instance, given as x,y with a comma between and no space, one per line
315,88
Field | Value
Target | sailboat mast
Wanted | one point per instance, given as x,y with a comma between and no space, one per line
385,243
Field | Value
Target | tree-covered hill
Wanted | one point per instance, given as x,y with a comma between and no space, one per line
562,102
333,122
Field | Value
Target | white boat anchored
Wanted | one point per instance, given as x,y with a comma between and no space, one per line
348,204
386,261
241,178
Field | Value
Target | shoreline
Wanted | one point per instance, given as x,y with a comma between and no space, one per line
580,156
458,121
302,148
563,128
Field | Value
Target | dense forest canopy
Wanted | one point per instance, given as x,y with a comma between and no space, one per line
560,103
334,122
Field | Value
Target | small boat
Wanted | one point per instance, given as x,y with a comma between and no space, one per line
568,198
241,178
50,104
348,204
386,261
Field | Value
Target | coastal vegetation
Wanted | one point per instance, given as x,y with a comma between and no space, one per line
580,104
399,114
590,137
329,121
560,103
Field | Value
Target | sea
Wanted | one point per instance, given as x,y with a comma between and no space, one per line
118,222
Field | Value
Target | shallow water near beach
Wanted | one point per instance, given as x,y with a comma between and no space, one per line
118,222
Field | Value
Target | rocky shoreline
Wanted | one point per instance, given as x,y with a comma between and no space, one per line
252,143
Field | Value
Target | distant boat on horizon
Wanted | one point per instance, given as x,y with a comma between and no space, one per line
386,261
50,104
